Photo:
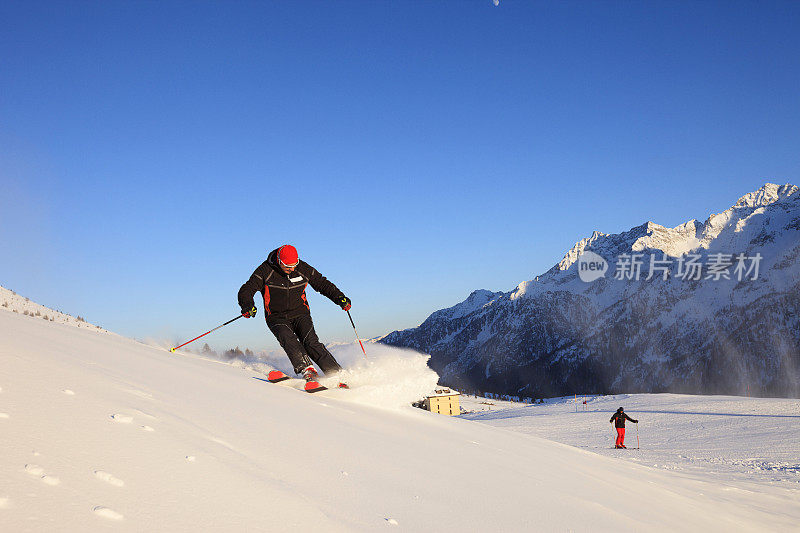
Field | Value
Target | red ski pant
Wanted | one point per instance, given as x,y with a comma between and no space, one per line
620,437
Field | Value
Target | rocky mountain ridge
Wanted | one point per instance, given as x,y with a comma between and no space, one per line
730,327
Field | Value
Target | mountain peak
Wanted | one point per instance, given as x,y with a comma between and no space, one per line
680,239
767,194
572,255
476,300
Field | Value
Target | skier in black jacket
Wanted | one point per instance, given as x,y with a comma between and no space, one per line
619,422
282,280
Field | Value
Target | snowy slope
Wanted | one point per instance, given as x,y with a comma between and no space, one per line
739,441
12,302
103,433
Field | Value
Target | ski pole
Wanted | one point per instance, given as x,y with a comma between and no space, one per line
637,436
206,333
356,332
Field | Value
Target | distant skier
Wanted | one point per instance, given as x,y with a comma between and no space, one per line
282,280
619,422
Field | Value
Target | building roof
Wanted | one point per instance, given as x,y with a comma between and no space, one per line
444,392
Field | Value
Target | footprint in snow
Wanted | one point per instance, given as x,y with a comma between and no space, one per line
50,480
108,478
36,470
123,419
68,392
105,512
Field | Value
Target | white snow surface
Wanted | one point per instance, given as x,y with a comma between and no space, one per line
100,432
742,443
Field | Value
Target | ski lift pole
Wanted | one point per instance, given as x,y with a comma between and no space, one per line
356,332
206,333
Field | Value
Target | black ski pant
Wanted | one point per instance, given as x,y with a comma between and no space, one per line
300,342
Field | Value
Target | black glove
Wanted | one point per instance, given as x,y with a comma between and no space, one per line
345,303
251,313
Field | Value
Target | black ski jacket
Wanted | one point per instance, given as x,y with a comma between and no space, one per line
285,295
620,419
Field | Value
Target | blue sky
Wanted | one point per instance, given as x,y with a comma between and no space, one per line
153,153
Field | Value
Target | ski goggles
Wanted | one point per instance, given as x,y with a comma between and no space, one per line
288,266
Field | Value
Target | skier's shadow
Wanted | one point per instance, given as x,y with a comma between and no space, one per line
268,381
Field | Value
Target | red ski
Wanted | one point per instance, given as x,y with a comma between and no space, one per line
314,386
276,376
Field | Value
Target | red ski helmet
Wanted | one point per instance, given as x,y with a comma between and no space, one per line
287,256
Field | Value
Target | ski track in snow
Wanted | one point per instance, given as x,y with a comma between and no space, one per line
221,442
140,393
145,414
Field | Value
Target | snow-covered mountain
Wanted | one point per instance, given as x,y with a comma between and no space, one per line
101,433
734,328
